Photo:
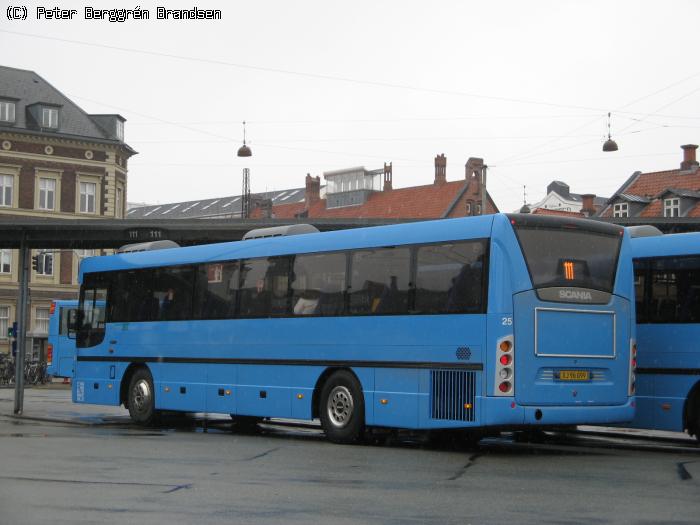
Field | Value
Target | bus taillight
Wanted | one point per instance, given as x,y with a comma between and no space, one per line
52,308
49,354
504,367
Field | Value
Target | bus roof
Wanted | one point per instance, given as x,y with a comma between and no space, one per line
666,245
398,234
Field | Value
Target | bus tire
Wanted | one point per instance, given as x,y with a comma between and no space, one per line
142,397
342,408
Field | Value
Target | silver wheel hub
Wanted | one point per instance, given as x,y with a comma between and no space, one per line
340,406
142,395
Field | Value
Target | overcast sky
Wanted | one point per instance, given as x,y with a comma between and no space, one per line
325,85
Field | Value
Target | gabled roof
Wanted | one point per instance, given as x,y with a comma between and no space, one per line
647,188
211,208
649,184
26,88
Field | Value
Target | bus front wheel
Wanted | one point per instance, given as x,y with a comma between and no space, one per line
142,397
342,408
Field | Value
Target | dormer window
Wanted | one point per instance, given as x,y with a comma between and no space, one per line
49,118
7,111
621,209
672,207
120,130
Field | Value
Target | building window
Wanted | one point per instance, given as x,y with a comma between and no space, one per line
469,208
45,264
672,207
49,118
7,111
47,194
82,254
4,321
42,321
5,261
119,203
120,130
621,210
6,183
87,197
478,209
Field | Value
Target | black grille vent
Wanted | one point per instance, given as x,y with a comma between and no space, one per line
453,394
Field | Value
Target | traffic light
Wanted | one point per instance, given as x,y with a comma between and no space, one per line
35,263
48,264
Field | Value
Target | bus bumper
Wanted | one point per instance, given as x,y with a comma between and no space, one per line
504,411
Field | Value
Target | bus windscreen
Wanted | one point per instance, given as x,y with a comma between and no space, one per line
561,254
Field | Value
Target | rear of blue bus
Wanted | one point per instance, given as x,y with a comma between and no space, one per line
562,330
60,351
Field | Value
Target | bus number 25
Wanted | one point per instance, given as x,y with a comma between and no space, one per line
507,321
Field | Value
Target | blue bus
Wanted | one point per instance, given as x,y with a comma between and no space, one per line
493,321
667,281
60,354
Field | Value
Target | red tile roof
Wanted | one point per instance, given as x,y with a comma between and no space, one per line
431,201
651,184
694,212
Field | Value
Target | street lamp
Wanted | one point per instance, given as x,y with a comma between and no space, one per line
610,144
244,151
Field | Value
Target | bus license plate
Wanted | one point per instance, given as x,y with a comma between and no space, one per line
574,375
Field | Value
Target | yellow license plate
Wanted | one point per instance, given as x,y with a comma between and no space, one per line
574,375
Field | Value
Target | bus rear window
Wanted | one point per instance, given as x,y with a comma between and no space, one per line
569,253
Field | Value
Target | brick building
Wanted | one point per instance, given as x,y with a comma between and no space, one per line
55,161
369,194
669,193
348,193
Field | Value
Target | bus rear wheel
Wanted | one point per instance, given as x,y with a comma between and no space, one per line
142,398
342,408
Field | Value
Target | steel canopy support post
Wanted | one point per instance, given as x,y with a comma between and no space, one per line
21,316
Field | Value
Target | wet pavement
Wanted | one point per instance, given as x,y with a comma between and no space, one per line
65,463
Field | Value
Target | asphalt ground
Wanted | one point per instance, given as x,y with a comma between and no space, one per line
65,463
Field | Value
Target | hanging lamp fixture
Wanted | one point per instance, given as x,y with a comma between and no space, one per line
244,151
610,144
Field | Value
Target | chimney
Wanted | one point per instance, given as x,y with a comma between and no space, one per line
313,189
387,176
588,209
440,169
689,161
265,206
473,168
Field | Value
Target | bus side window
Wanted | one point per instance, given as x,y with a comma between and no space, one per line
380,281
216,291
255,293
93,296
318,284
450,278
674,295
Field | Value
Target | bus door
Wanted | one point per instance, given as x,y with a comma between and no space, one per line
572,334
